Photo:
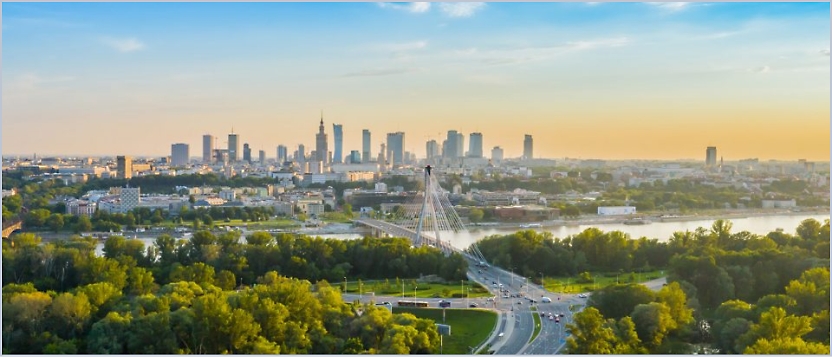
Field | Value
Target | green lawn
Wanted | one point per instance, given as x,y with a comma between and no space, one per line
469,327
277,223
537,325
601,280
423,290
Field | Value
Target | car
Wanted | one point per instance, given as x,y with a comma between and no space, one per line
542,314
562,315
473,304
557,320
519,302
551,318
545,299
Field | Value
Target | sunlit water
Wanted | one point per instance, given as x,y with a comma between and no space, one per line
659,230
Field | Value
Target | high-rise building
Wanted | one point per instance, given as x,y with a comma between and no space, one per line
496,155
710,156
431,150
395,144
129,197
262,157
179,154
321,149
449,146
246,153
233,147
207,148
365,145
338,133
460,145
282,153
528,148
124,167
300,156
475,145
355,157
382,154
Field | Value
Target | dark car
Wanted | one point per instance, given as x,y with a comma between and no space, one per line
473,304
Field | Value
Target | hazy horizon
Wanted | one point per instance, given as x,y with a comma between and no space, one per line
612,81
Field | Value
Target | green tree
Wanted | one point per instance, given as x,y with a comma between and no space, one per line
674,298
653,323
475,215
347,209
55,222
787,346
589,335
84,224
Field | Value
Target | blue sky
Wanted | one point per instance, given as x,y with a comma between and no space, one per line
653,80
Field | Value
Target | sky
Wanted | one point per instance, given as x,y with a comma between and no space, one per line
587,80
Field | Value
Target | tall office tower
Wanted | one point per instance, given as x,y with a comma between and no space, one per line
395,144
528,148
301,154
282,154
382,154
710,156
431,150
233,147
365,145
449,146
207,148
355,157
460,145
320,143
179,154
475,145
262,157
124,167
246,153
496,155
338,132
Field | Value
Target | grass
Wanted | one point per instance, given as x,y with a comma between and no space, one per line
423,290
469,327
601,280
537,325
276,223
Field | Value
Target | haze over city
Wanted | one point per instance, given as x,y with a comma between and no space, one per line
588,80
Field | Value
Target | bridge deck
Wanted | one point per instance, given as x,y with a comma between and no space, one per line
398,231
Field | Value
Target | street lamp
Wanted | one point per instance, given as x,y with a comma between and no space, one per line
345,285
414,294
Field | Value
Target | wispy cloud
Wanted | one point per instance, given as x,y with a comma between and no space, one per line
461,9
538,53
588,45
406,46
763,69
670,6
413,7
824,52
124,45
381,72
31,81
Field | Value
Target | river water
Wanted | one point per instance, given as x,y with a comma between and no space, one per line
660,230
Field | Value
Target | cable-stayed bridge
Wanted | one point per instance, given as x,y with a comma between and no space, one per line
425,218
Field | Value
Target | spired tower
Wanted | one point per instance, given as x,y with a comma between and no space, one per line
321,148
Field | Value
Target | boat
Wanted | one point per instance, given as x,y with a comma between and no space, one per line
636,221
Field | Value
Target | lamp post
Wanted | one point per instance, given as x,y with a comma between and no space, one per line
414,294
345,285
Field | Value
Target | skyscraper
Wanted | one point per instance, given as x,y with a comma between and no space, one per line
355,157
262,157
124,167
431,150
282,154
395,144
496,155
365,145
321,149
449,146
528,148
475,145
338,132
460,145
246,153
179,154
710,156
207,148
301,155
233,147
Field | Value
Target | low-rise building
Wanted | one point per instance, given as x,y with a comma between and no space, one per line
616,210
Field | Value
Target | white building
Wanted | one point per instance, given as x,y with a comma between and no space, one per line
616,210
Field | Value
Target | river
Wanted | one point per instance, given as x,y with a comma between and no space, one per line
660,230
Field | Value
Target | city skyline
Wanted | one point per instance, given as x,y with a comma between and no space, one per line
586,80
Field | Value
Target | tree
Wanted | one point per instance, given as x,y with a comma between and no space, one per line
347,209
84,224
674,298
589,334
475,214
70,314
617,301
776,325
55,222
653,322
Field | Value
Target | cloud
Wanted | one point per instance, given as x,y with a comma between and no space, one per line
380,72
31,81
824,52
413,7
124,45
461,9
588,45
763,69
407,46
593,3
670,6
466,52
